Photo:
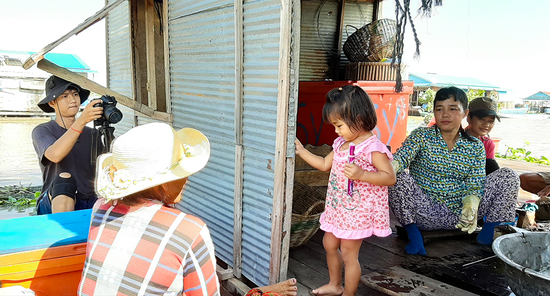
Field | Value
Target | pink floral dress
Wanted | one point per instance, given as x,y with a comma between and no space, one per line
364,213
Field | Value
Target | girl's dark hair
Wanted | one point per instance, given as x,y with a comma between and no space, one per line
155,193
352,105
458,95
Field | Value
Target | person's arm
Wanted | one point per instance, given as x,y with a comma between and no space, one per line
475,181
384,177
409,150
61,148
491,165
321,163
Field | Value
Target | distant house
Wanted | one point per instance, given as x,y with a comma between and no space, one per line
21,89
538,102
424,81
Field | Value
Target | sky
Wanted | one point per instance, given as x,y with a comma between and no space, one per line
30,25
502,42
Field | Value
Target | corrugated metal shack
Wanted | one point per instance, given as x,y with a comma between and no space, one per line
230,69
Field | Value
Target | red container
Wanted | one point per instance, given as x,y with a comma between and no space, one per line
391,108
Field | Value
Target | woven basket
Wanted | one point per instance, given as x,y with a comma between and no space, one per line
371,43
382,38
356,47
307,206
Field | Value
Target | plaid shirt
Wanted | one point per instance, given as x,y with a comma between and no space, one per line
154,250
445,176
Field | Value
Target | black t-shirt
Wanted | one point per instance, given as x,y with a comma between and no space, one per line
77,162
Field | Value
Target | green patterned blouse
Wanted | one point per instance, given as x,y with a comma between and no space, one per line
445,176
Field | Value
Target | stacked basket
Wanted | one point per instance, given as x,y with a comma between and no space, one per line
367,47
307,206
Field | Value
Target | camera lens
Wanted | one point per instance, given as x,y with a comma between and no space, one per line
112,114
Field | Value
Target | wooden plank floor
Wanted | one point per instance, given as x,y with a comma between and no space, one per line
444,263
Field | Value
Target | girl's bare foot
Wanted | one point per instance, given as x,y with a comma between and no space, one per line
328,290
285,288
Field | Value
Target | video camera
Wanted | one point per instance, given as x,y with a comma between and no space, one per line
111,114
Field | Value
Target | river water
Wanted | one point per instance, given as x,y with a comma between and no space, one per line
19,163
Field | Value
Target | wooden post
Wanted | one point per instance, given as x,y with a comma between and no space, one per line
150,53
340,30
280,141
293,113
239,155
33,59
86,83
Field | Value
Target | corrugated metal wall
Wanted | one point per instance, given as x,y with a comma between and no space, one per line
202,74
261,68
202,81
119,60
318,38
319,34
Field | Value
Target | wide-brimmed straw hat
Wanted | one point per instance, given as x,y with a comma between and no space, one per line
55,86
150,155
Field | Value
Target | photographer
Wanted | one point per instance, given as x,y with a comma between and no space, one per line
64,148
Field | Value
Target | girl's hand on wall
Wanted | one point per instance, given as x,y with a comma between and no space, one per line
299,147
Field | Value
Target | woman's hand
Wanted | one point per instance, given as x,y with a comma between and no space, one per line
353,171
468,217
545,192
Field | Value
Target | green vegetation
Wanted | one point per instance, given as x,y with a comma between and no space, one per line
18,197
523,154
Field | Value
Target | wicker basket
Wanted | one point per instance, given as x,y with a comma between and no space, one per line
356,47
307,206
371,43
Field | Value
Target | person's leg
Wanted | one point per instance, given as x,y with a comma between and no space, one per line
63,193
498,203
334,262
416,211
532,182
350,256
284,288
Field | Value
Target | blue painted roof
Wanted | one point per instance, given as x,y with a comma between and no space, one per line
540,96
436,80
66,60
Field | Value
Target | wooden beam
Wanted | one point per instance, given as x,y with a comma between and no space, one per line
340,30
167,78
239,155
86,83
33,59
150,15
281,142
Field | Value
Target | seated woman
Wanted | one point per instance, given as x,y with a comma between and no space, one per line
138,243
482,113
446,187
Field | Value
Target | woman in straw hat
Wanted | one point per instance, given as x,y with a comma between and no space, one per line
138,243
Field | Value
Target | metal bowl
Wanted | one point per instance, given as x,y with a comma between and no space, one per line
527,258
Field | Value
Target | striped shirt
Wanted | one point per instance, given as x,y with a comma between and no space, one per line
445,176
151,250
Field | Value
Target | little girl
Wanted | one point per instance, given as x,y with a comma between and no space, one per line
349,218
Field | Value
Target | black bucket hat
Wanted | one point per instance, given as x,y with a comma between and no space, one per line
55,86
